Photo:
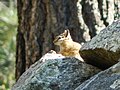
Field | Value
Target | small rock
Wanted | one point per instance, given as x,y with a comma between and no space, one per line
105,80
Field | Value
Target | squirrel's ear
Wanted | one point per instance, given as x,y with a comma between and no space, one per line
67,33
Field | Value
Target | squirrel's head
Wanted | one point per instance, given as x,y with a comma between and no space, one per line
62,37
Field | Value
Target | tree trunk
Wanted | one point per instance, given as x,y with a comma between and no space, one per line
41,20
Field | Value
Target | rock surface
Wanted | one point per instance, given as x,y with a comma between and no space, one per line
105,80
103,50
55,73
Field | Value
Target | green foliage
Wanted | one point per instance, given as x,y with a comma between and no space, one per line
8,25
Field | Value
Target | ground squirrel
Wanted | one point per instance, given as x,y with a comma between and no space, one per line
67,46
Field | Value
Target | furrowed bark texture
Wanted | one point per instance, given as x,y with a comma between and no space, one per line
41,20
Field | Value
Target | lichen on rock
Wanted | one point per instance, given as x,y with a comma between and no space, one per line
55,72
103,49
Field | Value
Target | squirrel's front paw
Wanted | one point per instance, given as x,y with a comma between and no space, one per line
52,52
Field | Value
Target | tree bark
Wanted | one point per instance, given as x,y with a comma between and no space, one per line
41,20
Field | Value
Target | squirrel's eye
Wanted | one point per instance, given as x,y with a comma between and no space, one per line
59,37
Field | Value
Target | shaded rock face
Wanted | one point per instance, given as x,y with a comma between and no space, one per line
105,80
103,50
55,72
